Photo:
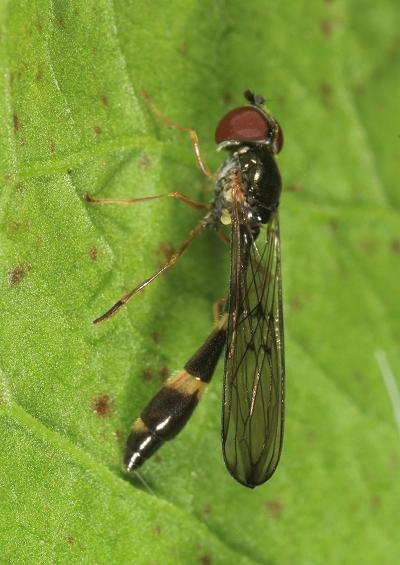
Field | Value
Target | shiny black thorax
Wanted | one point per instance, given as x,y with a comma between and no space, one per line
260,182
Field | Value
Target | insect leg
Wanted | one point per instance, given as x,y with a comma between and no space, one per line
170,409
171,261
193,135
128,201
218,309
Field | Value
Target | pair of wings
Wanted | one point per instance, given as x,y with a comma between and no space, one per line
253,403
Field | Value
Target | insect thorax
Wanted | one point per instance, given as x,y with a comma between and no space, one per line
250,176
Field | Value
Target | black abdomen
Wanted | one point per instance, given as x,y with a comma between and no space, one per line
169,410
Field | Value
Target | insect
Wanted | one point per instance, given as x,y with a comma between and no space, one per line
250,326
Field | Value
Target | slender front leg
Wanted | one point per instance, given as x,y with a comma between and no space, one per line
173,259
128,201
170,409
193,135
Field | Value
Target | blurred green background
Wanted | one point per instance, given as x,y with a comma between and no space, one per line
73,121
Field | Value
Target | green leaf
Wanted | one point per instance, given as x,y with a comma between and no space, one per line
74,121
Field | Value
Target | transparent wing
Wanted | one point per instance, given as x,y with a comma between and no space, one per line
253,406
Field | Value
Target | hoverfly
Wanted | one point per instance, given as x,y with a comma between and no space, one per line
250,327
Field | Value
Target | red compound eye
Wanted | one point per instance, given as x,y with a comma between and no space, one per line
242,124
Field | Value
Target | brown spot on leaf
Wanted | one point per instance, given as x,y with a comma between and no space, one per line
104,100
147,375
157,529
298,301
163,373
156,336
207,508
70,540
16,227
227,97
184,49
166,249
144,163
395,245
16,122
102,405
281,99
98,130
326,27
52,146
16,274
376,501
61,22
296,187
326,91
93,253
14,77
274,507
40,72
358,376
205,560
333,224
